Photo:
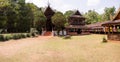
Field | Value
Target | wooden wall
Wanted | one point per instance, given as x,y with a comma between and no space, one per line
115,37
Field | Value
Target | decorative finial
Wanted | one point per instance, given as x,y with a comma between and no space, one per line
48,3
119,6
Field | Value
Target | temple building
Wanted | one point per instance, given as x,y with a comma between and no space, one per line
49,13
76,24
113,27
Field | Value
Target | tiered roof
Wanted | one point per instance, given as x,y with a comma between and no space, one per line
77,14
49,11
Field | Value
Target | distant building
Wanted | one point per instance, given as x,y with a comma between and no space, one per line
76,24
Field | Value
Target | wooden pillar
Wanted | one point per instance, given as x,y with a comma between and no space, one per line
108,29
67,31
114,28
104,29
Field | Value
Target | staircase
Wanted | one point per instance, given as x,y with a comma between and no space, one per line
47,33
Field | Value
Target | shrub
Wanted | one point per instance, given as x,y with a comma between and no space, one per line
16,36
33,34
104,40
6,38
28,35
23,35
1,38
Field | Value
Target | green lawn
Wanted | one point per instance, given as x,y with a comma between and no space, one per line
85,48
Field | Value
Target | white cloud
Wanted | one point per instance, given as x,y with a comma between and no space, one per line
63,5
39,3
93,2
60,5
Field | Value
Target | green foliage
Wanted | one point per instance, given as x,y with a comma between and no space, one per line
23,35
4,5
68,13
59,20
40,20
5,37
92,17
108,13
19,36
1,38
24,16
33,13
104,40
33,34
16,36
28,35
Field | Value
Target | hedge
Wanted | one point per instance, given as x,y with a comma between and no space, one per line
16,36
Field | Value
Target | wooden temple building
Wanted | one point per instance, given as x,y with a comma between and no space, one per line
113,27
76,24
49,13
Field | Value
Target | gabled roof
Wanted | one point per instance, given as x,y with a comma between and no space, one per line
117,13
117,22
77,14
98,24
48,10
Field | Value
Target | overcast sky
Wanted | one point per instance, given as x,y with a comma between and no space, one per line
81,5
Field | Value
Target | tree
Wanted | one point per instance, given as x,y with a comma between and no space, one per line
92,17
68,13
4,5
34,13
108,12
40,20
25,15
17,16
59,20
12,20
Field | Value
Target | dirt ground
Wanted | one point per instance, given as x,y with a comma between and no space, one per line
11,47
88,48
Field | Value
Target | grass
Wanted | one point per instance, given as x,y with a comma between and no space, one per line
87,48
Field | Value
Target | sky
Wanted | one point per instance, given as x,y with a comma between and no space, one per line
81,5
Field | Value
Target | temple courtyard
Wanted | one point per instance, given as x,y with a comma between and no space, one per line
83,48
